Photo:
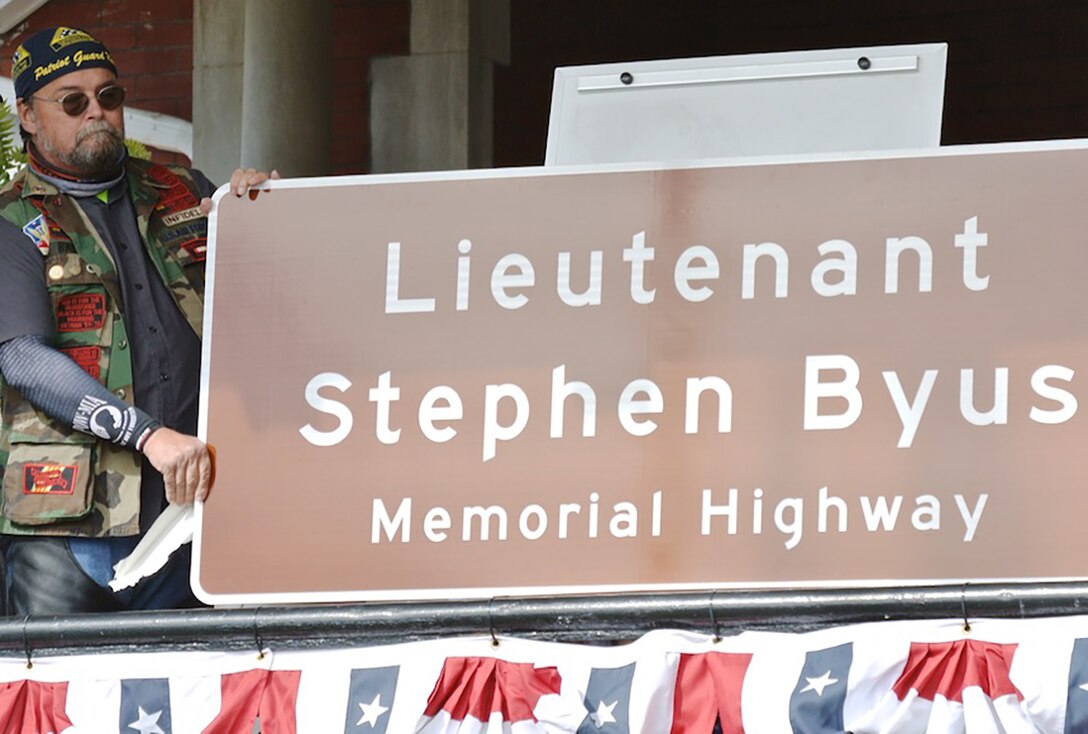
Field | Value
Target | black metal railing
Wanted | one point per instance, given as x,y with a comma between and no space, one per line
587,619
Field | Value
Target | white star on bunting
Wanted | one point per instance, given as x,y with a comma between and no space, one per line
819,684
372,712
147,723
603,714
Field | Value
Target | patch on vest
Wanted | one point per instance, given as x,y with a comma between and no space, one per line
49,478
37,229
86,357
184,215
197,249
198,228
81,312
178,197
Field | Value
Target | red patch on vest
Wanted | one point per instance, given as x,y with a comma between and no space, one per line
81,312
178,197
49,478
197,249
86,357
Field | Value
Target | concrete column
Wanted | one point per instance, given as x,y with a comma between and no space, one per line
287,86
217,86
262,86
432,110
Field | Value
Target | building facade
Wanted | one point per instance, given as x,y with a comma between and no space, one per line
369,86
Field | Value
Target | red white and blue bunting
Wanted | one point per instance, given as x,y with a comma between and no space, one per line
929,677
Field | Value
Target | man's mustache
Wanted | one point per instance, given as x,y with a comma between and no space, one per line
99,126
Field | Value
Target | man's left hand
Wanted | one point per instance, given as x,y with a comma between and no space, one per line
241,181
185,464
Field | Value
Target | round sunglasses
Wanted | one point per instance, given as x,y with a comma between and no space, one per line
76,103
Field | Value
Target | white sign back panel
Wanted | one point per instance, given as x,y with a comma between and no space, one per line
856,99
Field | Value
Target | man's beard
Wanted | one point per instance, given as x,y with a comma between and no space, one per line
96,154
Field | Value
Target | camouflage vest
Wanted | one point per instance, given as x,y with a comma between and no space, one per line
58,481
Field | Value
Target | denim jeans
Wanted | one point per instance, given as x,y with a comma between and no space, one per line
47,575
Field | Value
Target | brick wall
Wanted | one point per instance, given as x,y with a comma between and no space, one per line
362,29
151,42
1017,69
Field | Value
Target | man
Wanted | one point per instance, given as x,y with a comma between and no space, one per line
101,295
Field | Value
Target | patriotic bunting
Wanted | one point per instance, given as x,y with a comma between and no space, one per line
707,692
1076,708
30,707
817,702
371,693
268,694
1028,676
608,701
487,694
145,706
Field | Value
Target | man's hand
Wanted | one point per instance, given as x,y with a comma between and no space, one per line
185,464
241,181
244,179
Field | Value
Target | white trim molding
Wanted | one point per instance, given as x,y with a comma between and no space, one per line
14,12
